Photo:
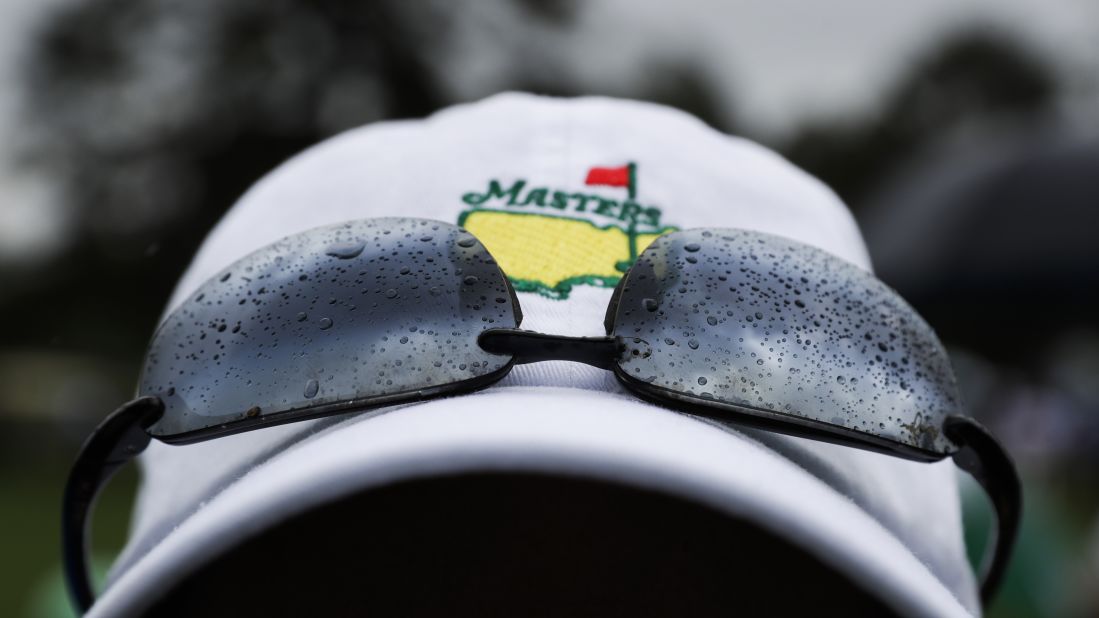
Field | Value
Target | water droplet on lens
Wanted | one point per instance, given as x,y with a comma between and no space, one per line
391,293
346,250
692,247
311,388
759,316
841,379
650,304
702,381
404,339
325,323
712,320
692,344
799,303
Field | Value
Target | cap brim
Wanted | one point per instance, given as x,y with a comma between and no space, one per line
595,435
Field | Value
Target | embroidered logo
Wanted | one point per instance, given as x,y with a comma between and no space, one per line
548,239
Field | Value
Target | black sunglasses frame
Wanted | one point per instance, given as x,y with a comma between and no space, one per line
124,434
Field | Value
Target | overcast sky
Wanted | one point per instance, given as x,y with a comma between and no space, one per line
781,61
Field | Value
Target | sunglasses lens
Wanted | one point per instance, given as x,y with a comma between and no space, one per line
337,317
775,329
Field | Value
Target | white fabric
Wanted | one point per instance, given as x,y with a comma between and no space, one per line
891,523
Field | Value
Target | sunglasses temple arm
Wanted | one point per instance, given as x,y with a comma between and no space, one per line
117,440
982,457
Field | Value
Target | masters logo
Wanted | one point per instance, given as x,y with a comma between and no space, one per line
549,240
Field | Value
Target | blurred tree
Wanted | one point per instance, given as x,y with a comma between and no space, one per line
154,116
971,78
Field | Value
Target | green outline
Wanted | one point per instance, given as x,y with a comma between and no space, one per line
562,290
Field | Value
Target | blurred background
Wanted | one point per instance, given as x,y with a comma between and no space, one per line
962,133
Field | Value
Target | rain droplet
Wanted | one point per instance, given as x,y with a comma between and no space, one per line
692,247
391,293
470,280
325,323
311,388
252,412
224,277
302,317
712,320
692,344
650,304
467,241
404,339
345,250
759,315
702,381
799,303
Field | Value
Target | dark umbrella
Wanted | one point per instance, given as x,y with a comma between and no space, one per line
998,246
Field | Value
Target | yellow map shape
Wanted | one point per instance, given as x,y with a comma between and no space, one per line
551,254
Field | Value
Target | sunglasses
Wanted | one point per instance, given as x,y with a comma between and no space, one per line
740,327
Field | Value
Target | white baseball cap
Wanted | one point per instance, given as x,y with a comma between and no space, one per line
540,182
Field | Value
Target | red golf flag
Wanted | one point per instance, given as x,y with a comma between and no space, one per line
610,176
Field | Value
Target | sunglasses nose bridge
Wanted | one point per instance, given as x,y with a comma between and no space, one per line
532,347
